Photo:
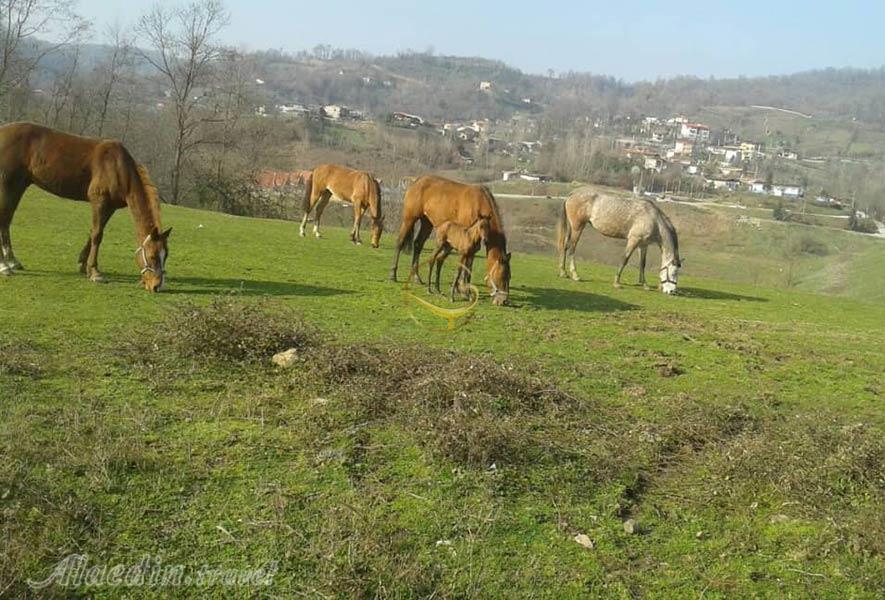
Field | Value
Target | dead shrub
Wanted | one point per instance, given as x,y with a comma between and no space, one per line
228,330
470,409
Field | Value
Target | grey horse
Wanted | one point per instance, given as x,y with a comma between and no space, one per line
641,222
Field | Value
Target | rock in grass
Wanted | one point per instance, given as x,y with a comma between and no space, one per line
584,541
630,526
286,359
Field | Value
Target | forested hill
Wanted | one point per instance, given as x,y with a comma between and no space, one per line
447,87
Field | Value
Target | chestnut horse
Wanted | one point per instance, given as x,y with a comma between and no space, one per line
432,201
466,240
356,187
99,171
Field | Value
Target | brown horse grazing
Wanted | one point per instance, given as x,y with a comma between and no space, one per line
466,240
101,172
434,200
357,187
638,221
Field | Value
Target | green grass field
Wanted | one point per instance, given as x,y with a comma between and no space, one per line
740,427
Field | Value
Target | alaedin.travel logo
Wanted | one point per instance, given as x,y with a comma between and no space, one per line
421,310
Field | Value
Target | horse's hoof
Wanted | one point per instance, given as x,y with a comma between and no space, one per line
5,270
16,265
616,285
83,268
563,274
575,277
98,278
302,234
645,287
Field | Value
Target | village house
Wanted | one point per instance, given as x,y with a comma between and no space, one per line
723,183
653,162
405,119
659,134
788,154
522,175
749,150
695,132
334,112
485,86
288,109
779,190
683,148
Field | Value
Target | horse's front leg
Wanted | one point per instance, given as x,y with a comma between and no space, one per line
458,284
357,221
632,243
101,213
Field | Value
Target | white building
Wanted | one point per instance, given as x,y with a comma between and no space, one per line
694,131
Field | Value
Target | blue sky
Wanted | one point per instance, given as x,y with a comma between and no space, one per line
627,39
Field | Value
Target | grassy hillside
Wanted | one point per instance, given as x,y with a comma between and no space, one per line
739,427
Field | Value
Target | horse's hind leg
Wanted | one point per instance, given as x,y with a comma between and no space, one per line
632,243
418,245
572,248
460,272
10,195
405,232
643,250
321,206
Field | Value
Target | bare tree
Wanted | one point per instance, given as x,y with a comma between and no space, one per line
183,49
112,71
20,22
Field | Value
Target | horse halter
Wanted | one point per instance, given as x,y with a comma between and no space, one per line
146,268
665,274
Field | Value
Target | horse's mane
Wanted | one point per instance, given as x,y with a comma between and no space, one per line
496,235
495,217
668,225
151,195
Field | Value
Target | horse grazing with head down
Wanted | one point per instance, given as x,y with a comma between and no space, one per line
356,187
466,240
99,171
432,201
638,221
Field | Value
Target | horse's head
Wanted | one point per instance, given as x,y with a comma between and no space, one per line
670,275
151,258
377,230
499,276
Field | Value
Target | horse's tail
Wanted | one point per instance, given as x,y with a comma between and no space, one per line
373,194
409,242
308,192
563,230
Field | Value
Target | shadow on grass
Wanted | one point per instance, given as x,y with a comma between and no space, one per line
690,292
247,287
202,285
556,298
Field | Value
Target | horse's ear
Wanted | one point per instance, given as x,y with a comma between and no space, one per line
166,233
508,257
155,234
